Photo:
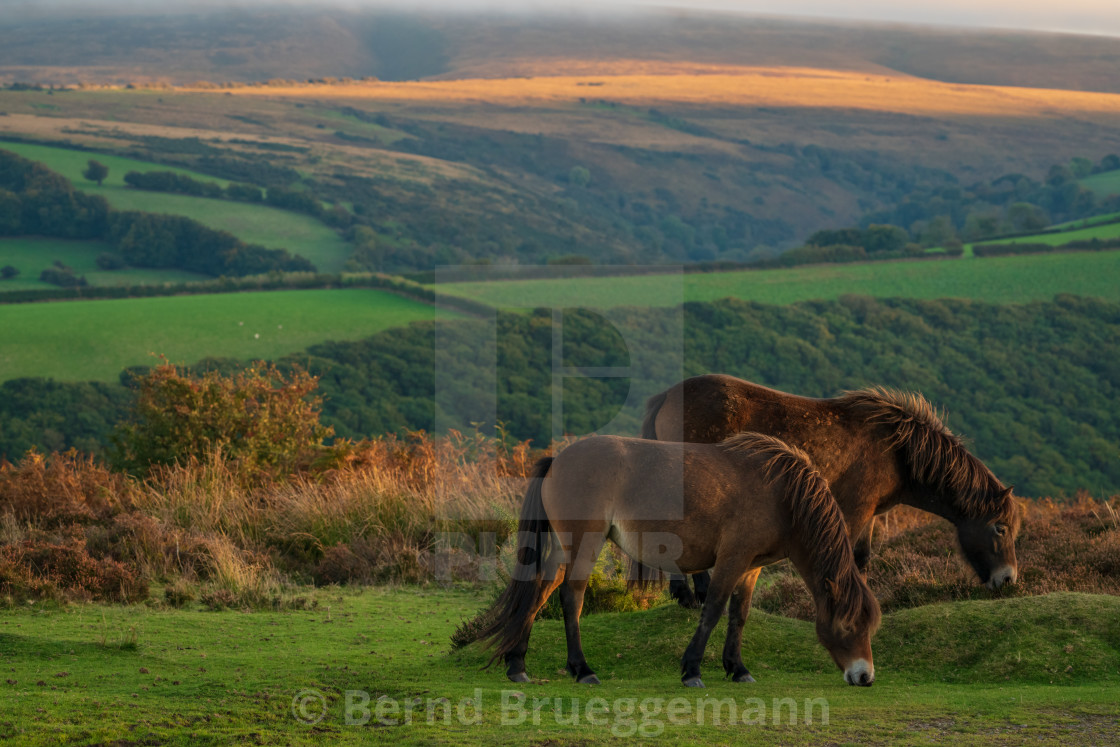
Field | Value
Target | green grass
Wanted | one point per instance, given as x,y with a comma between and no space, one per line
1104,184
71,163
1106,231
995,279
352,125
33,255
94,340
1042,669
256,224
1084,223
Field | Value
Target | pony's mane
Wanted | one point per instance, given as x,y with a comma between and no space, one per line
936,456
818,523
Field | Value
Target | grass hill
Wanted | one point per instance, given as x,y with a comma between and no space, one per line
256,224
247,44
994,280
1043,669
691,137
32,255
95,340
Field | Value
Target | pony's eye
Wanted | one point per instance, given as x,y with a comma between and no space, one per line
1000,530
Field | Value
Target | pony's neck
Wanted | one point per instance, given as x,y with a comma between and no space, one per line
810,564
925,498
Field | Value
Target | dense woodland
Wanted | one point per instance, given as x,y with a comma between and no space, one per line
1033,387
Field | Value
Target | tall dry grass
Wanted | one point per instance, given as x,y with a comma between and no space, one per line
369,511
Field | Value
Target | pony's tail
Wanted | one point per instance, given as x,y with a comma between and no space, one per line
512,614
653,406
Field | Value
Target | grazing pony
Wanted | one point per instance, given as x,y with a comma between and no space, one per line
877,448
732,507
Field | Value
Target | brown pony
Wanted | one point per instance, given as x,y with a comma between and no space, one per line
876,447
732,507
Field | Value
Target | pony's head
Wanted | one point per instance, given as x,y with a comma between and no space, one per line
845,625
988,541
949,480
847,611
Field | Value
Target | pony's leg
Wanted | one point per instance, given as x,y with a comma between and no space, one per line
701,581
585,551
678,589
861,548
718,593
738,610
571,600
515,659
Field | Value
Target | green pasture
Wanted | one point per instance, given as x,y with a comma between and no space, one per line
1091,231
32,255
1086,222
1042,670
255,224
71,163
352,125
95,340
993,279
1104,184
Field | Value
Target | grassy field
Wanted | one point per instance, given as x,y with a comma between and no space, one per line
1091,231
71,163
33,255
257,224
1107,183
1042,669
995,279
1087,221
94,340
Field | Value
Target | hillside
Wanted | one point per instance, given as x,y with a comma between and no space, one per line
245,45
656,138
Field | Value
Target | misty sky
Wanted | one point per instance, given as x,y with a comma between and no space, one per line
1082,16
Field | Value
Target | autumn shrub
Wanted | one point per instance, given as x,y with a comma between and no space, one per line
62,488
261,419
31,570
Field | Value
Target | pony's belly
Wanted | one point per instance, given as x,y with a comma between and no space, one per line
665,550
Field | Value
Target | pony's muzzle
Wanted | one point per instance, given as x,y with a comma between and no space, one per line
860,673
1003,575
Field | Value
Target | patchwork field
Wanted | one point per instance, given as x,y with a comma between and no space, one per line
255,224
375,665
1095,220
995,279
95,340
33,255
1091,231
1104,184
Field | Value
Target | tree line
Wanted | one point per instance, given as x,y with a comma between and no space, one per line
1033,386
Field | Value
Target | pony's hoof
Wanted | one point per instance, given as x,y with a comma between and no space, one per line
519,677
693,682
744,677
589,679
